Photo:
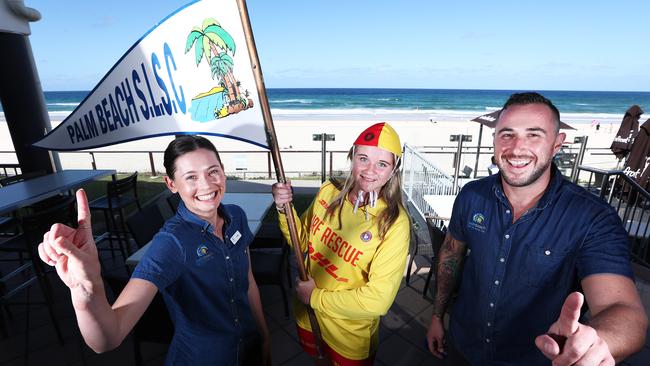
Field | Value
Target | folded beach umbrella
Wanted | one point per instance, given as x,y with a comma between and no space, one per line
637,163
626,132
490,120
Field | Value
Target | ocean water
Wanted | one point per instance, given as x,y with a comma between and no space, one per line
411,104
447,99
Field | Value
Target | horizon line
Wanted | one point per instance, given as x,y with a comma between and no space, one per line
404,88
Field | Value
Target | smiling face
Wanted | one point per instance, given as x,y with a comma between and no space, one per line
371,168
525,142
200,181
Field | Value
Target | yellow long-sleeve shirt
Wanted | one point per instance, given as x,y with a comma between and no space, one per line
357,275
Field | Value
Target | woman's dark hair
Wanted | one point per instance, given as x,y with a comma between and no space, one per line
183,145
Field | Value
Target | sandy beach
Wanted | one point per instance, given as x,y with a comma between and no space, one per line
428,132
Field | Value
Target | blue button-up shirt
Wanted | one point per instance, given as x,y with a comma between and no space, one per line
516,276
204,282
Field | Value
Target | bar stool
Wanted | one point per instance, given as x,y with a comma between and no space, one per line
173,200
144,224
120,193
269,255
8,223
20,177
437,233
26,274
154,326
8,226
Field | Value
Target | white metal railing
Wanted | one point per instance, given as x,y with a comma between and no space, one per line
420,177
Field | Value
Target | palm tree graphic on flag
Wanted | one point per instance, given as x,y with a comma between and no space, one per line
213,42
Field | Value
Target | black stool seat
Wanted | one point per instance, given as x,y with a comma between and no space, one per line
155,325
8,226
120,194
103,203
265,263
32,270
146,223
437,232
269,255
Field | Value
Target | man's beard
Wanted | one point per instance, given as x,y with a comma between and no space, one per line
525,181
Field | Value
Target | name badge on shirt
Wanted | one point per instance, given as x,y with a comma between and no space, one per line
235,237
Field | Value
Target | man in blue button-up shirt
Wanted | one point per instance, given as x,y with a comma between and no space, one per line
523,236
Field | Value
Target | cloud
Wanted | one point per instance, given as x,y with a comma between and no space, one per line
104,22
476,35
553,65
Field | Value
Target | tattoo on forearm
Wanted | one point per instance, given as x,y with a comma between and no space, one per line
449,261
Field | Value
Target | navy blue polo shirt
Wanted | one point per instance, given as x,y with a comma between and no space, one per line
516,276
204,282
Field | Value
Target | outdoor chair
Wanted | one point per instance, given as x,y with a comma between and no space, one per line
144,224
155,325
420,244
120,194
32,271
173,200
269,255
437,234
417,246
9,226
8,223
11,179
466,172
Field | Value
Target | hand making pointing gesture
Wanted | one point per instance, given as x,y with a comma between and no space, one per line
195,173
583,346
73,252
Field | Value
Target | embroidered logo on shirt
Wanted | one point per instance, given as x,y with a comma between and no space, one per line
201,251
366,236
203,254
478,222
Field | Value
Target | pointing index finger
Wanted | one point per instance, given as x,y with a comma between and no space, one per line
570,314
83,210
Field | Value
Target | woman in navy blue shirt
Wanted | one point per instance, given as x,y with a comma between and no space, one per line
199,261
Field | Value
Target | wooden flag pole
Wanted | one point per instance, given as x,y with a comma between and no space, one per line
279,170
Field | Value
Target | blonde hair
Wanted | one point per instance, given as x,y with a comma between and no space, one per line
391,192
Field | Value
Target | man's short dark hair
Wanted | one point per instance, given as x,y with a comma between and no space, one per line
533,98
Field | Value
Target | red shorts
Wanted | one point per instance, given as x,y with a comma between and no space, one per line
309,346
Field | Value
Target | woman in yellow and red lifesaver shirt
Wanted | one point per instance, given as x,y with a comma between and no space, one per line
356,233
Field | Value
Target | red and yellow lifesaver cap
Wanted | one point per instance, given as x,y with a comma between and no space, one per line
381,135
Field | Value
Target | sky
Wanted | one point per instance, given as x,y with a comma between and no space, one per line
562,45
